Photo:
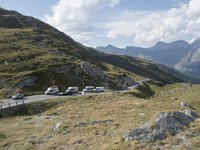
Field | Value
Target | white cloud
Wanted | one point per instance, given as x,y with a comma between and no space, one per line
81,20
149,27
76,17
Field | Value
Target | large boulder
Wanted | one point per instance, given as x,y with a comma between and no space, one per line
165,123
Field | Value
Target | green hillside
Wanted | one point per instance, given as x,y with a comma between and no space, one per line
35,56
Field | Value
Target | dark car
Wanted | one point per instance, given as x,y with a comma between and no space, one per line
68,92
18,96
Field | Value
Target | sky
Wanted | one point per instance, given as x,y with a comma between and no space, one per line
118,22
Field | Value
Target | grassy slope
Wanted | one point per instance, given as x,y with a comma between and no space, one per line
126,111
139,66
30,51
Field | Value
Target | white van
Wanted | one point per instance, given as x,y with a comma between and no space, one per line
88,89
52,90
72,89
99,89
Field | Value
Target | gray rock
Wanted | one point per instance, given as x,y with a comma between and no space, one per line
123,81
185,105
92,71
26,81
138,134
165,123
98,74
191,113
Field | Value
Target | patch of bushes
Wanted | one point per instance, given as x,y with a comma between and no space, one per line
145,89
2,136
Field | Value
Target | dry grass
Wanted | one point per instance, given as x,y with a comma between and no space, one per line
125,110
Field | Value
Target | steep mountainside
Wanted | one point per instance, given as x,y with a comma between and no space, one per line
190,63
35,56
170,53
196,43
179,54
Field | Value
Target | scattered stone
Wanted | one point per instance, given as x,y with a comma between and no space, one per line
48,117
77,142
141,114
56,128
81,124
165,123
101,133
173,98
186,105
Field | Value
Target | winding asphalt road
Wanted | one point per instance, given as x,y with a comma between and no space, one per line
4,103
28,99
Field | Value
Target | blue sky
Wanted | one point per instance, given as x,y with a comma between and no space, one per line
118,22
38,8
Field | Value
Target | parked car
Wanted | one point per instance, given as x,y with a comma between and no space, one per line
52,90
68,92
89,89
18,96
99,89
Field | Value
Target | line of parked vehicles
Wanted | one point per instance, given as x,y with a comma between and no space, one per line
54,90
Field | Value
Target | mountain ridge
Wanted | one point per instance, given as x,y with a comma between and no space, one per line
171,54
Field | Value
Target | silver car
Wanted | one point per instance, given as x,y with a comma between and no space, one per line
18,96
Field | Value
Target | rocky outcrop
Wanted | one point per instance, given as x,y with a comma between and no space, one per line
26,81
97,73
165,123
123,81
92,70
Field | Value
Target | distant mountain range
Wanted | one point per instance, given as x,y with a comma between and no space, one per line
179,54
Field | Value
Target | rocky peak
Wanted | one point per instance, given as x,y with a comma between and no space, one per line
196,43
160,43
179,43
